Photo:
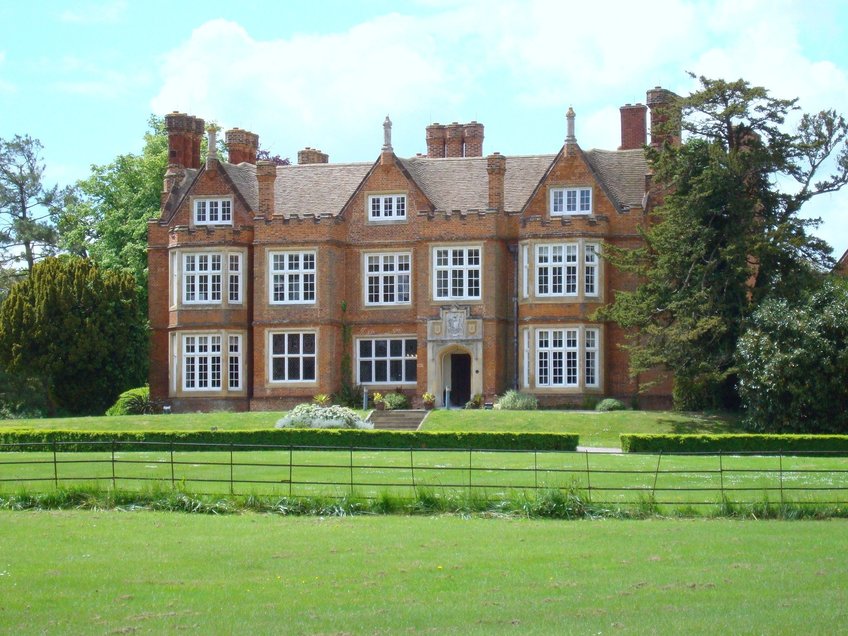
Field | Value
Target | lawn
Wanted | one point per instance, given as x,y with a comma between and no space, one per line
126,572
595,429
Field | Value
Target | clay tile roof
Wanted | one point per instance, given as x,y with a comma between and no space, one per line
523,174
243,176
318,188
452,184
622,172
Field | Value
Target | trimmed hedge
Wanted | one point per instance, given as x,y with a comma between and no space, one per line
87,441
748,443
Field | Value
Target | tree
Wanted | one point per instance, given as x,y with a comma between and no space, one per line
107,217
726,233
793,363
26,233
77,330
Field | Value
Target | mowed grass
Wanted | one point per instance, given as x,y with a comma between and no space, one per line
128,572
595,429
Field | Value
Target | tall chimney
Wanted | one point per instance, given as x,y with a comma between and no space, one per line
496,167
266,175
665,116
472,135
633,127
312,155
184,134
453,140
436,141
242,146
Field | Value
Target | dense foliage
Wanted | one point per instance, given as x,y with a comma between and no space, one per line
786,444
793,363
76,332
610,404
134,402
317,416
726,233
514,400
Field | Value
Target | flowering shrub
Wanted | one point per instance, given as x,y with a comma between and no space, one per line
314,416
395,401
512,400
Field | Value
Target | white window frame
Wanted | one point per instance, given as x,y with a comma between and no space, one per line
387,207
289,353
571,201
559,270
567,357
389,276
203,275
401,360
451,272
293,278
201,354
212,211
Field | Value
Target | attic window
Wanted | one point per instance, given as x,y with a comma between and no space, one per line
571,201
387,207
213,212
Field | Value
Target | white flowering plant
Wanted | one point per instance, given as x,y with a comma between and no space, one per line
315,416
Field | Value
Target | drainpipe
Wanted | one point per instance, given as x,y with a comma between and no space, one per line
513,249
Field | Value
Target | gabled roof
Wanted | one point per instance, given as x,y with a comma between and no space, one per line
318,188
243,176
451,184
622,172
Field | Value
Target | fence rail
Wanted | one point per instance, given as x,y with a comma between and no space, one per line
693,479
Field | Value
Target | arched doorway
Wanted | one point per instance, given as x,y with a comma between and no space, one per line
456,376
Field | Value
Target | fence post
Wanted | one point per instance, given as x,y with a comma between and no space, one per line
412,469
656,475
469,472
588,478
721,476
351,470
231,468
291,455
173,483
113,464
55,466
780,458
536,468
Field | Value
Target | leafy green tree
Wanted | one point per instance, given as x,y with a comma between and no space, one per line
76,330
107,217
793,363
727,232
26,204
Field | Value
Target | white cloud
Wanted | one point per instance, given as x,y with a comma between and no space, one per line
95,13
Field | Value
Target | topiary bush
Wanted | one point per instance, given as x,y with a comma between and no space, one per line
392,401
315,416
134,402
610,404
513,400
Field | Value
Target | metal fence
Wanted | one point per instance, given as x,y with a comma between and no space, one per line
299,471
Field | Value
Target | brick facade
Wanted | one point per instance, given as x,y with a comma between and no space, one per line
452,270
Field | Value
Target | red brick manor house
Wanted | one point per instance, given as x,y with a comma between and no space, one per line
452,273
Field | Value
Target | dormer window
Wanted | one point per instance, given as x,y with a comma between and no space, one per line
213,212
565,201
387,207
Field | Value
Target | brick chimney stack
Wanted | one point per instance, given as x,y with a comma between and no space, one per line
634,131
453,140
472,135
266,175
436,141
312,155
242,146
496,167
184,135
665,116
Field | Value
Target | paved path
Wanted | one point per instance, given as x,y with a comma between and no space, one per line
597,449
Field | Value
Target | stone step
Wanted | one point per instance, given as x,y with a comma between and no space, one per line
407,420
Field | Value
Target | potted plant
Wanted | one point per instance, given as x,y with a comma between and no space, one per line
378,401
429,400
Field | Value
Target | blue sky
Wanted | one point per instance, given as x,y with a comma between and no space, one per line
84,76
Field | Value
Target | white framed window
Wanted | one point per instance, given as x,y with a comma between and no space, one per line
387,280
292,356
201,362
387,207
558,357
292,277
213,211
203,274
456,272
565,201
387,360
557,269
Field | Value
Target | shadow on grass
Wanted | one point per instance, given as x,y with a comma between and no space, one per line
709,424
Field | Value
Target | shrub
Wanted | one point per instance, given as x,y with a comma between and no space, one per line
671,443
513,400
610,404
322,399
315,416
349,395
475,402
392,401
134,402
